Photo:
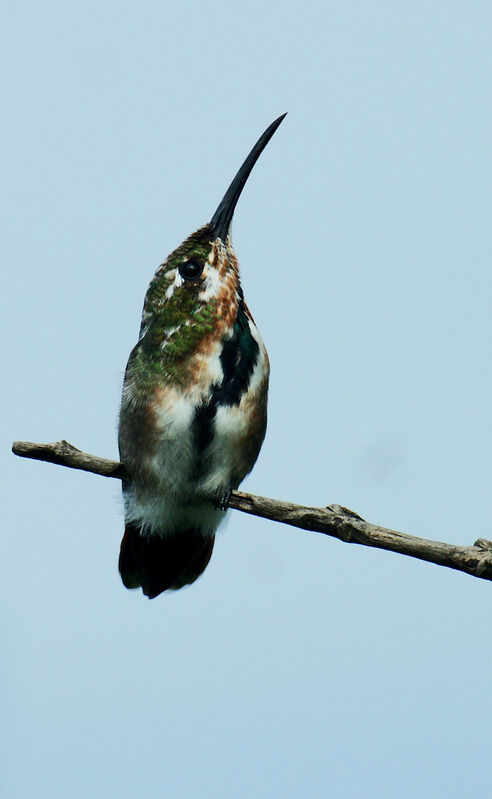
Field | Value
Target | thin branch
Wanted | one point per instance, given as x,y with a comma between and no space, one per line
65,454
334,520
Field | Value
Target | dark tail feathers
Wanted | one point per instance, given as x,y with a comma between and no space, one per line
158,563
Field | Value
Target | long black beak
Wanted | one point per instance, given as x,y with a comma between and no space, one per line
221,220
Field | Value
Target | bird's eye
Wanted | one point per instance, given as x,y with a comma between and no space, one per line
190,270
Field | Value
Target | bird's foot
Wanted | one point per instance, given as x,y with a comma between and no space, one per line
221,498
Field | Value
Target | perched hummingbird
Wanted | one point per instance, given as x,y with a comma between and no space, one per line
193,410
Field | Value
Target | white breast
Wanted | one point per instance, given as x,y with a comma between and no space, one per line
177,498
172,503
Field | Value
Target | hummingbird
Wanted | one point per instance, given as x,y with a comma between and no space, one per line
194,404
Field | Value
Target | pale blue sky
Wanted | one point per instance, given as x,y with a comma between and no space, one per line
297,666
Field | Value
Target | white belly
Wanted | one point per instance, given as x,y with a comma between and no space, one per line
177,494
173,499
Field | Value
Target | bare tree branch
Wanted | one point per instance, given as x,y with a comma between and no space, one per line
65,454
334,520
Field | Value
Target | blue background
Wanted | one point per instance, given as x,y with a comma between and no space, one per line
297,666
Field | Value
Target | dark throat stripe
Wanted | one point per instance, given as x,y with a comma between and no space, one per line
238,360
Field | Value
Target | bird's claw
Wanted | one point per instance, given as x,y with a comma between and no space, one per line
221,499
